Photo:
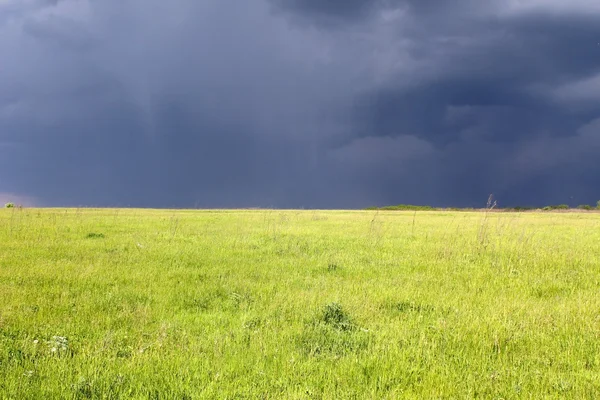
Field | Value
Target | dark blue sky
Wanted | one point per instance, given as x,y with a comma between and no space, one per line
299,103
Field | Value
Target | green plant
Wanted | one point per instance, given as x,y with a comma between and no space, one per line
9,205
402,207
598,204
585,207
335,316
519,208
94,235
557,207
482,234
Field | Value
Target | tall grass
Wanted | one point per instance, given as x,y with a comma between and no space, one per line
298,304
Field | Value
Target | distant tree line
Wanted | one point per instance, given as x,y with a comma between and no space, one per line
411,207
403,207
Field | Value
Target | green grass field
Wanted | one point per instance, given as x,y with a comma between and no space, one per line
298,304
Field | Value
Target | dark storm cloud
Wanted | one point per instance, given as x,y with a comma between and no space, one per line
479,101
292,103
336,9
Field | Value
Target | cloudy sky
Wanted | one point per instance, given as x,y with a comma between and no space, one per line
299,103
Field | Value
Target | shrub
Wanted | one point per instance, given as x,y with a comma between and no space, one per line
9,205
519,208
598,205
333,334
403,207
585,207
558,207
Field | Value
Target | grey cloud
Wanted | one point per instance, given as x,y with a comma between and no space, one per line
60,31
228,104
16,10
141,121
547,153
342,8
330,14
578,94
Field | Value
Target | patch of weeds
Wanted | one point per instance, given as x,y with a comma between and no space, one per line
59,345
251,328
333,333
124,353
252,324
241,300
332,267
412,307
334,315
408,309
94,235
83,389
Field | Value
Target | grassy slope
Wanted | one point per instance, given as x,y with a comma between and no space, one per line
201,304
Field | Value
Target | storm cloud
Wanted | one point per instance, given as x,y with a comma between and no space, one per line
299,103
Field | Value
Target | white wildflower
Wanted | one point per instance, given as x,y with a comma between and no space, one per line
58,344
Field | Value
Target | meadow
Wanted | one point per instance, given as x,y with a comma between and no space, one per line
246,304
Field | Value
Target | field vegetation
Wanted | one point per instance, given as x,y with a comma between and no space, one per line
154,304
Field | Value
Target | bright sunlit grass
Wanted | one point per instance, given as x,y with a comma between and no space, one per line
298,304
